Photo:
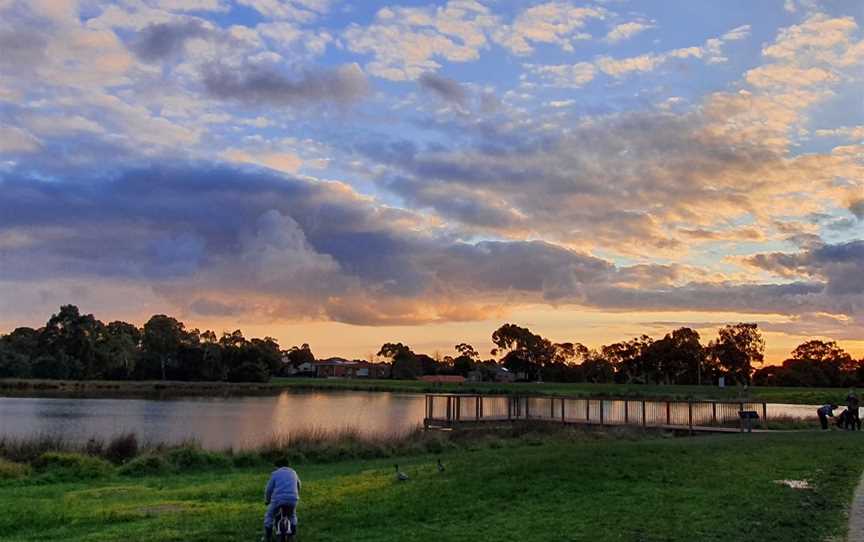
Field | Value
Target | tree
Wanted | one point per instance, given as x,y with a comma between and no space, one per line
161,341
119,349
736,349
70,338
628,359
405,362
813,363
298,355
526,353
677,358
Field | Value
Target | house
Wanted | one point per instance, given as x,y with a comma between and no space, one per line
335,368
441,379
343,368
502,374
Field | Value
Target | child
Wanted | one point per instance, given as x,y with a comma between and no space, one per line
824,413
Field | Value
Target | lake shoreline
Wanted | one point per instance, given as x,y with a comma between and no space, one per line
167,389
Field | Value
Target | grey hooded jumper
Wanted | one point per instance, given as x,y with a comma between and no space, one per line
283,488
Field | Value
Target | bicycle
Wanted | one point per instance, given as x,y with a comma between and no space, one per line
283,528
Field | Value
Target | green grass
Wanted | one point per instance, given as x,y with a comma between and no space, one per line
158,389
539,488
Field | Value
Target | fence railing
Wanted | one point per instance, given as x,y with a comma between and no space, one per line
454,409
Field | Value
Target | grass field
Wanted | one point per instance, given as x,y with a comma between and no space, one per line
539,488
809,396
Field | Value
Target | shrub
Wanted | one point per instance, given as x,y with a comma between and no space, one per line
70,465
146,465
191,458
248,459
122,448
27,450
10,470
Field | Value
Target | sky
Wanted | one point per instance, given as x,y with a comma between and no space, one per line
351,173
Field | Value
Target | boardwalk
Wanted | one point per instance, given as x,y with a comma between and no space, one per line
454,410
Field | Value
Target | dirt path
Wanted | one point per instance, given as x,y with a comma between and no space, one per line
856,515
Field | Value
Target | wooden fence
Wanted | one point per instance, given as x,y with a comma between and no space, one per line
452,410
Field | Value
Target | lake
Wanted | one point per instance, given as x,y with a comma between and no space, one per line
238,422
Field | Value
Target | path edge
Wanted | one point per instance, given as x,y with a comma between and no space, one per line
856,514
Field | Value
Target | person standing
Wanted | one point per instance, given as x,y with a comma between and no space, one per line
852,405
824,413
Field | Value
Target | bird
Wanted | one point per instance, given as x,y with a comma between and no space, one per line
400,476
440,465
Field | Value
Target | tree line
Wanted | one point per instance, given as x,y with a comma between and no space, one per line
677,358
78,346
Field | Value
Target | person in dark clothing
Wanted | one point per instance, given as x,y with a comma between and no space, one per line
853,421
824,413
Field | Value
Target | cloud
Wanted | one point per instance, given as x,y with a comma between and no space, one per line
448,90
625,31
578,74
161,41
221,240
558,23
565,75
298,10
408,42
15,140
260,85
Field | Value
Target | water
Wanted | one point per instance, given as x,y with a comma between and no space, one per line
215,422
238,422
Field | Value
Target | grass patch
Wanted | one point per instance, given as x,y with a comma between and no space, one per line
536,486
71,466
9,470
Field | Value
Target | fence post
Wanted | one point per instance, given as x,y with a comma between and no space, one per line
458,408
527,407
644,417
551,408
740,419
480,402
588,411
509,408
562,411
714,412
626,412
690,415
765,414
668,414
601,411
449,409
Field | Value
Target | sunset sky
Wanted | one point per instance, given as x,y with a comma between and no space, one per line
346,174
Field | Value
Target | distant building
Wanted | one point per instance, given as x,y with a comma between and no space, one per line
453,379
343,368
502,374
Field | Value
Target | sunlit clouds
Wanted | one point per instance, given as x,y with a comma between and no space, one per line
369,169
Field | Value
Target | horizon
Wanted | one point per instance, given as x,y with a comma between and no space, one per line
349,175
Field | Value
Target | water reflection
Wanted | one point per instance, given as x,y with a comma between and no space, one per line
214,422
218,422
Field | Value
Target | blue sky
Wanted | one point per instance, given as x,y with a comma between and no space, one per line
354,172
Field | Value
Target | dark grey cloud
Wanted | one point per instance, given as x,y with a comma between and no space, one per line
160,41
448,90
840,265
222,240
22,48
857,209
265,85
